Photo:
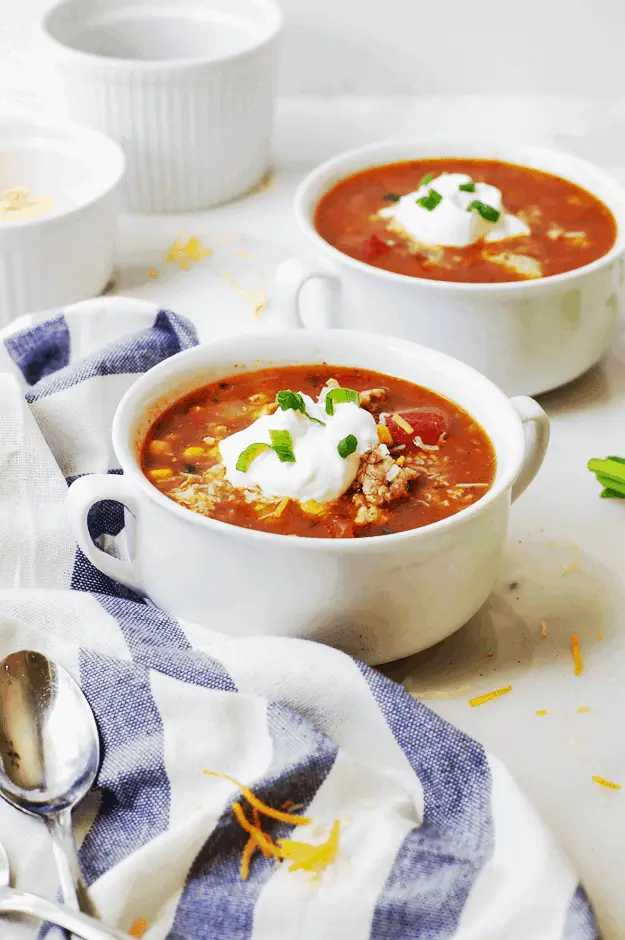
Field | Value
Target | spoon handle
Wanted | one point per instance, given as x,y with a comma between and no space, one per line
19,902
65,856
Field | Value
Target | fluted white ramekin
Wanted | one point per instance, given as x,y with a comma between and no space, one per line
65,256
186,88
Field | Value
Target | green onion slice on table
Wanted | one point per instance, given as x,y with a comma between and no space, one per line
610,474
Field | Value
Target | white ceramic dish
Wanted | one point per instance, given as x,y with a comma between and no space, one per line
66,255
186,88
526,336
378,598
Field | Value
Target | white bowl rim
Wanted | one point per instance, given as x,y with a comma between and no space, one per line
78,133
131,403
320,173
273,29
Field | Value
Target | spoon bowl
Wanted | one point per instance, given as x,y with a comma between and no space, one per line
49,750
49,746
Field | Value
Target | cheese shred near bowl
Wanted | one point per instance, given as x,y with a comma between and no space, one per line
304,856
489,696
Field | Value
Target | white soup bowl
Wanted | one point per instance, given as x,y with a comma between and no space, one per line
67,255
378,598
526,336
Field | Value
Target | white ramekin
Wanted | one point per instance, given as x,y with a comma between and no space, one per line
527,336
192,108
66,256
377,598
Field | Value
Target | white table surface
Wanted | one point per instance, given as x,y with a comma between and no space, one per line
565,562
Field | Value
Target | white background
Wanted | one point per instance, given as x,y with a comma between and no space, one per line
386,47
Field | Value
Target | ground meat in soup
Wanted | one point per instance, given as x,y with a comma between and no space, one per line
432,460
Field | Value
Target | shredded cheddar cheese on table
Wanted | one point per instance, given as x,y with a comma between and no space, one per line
304,856
541,712
254,801
138,928
543,629
182,254
481,699
577,656
257,298
606,783
583,708
312,858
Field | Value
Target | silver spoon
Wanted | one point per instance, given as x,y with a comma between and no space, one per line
49,751
19,902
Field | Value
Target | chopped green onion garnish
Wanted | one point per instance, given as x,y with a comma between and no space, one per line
337,395
347,446
287,399
488,213
391,197
467,187
430,201
426,179
282,443
610,474
293,400
249,454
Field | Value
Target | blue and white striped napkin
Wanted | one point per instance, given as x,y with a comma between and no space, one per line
436,840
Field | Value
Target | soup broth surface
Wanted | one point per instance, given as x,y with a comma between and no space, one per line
568,226
433,459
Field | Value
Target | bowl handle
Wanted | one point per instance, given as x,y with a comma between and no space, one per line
290,277
82,495
530,412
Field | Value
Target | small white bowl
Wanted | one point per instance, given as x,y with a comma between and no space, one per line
66,255
186,88
526,336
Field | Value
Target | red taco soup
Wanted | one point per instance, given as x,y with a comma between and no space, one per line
465,220
319,451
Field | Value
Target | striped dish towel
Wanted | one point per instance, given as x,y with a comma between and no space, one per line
436,842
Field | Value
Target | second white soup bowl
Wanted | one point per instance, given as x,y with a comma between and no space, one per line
527,336
377,598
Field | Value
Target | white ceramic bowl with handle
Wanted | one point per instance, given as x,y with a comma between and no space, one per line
67,254
526,336
186,88
377,598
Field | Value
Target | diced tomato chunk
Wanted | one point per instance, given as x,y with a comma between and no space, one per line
427,423
373,248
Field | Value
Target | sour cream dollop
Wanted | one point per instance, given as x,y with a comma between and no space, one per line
450,223
319,472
